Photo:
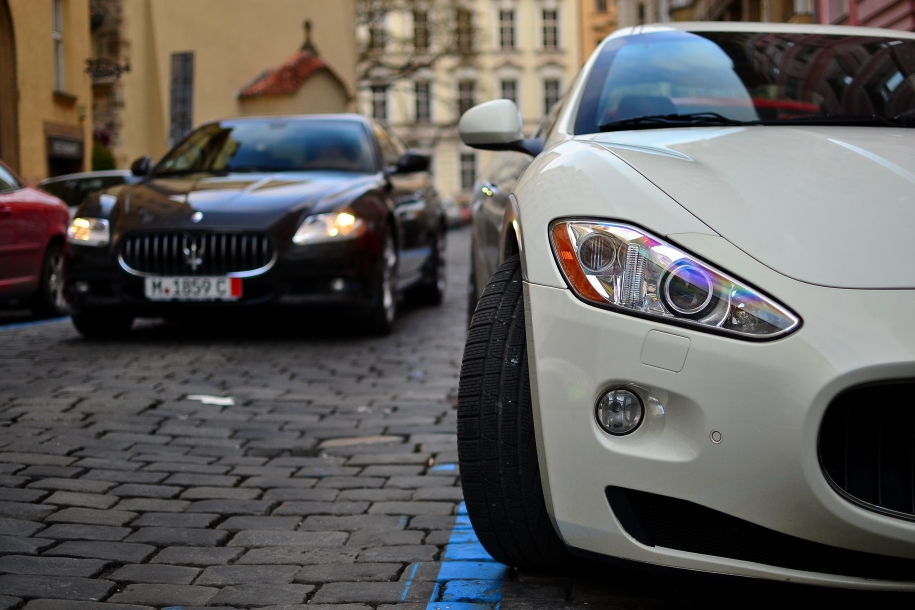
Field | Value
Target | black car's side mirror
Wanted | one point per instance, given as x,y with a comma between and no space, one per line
142,166
410,162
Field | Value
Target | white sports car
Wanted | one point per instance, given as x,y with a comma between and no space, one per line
699,349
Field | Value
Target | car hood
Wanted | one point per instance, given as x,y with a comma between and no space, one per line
244,201
833,206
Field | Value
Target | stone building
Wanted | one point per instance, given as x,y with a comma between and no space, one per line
45,93
422,64
598,20
196,61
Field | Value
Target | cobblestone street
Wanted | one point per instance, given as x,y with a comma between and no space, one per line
256,467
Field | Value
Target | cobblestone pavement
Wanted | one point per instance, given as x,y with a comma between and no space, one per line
314,466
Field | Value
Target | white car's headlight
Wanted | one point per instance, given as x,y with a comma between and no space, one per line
329,227
89,231
621,267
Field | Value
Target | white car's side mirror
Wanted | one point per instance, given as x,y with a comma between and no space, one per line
497,125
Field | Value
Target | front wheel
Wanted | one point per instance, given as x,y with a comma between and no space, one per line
49,301
380,317
107,325
497,451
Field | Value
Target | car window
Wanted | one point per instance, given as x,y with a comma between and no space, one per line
273,145
750,76
8,181
391,148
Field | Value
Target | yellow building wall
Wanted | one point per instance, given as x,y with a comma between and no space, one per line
233,42
321,93
38,103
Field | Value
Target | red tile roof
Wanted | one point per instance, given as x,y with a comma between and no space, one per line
288,78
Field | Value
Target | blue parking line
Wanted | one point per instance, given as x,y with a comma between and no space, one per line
33,323
469,578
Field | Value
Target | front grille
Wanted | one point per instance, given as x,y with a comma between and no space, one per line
867,447
195,254
672,523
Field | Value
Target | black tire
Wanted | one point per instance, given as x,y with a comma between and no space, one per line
102,325
379,320
431,290
497,450
49,301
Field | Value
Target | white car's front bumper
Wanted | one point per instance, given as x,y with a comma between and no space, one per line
766,399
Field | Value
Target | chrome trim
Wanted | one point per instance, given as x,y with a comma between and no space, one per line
240,274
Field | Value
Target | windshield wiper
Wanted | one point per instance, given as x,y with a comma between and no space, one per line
658,121
872,120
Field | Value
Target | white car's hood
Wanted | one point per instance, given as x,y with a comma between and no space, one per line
833,206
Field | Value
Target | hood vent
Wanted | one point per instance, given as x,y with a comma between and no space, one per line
179,254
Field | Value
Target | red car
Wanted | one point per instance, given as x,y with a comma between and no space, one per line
33,232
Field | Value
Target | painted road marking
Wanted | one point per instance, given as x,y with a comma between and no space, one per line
469,578
33,323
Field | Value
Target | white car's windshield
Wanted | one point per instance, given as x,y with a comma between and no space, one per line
676,78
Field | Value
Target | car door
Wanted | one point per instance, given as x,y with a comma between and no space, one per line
23,230
408,193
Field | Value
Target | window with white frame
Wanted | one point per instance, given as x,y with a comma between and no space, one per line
57,36
423,90
421,33
464,31
466,90
510,90
803,7
507,30
550,29
377,34
468,171
181,97
380,102
550,94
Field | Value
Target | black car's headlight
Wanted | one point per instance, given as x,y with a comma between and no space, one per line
89,232
329,227
621,267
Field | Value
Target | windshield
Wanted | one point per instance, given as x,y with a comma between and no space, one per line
273,146
749,76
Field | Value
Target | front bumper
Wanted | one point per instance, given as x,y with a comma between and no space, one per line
765,399
320,275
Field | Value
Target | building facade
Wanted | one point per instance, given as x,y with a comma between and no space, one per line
45,93
166,66
598,20
422,64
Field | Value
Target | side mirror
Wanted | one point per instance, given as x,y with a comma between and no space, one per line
410,162
142,166
497,125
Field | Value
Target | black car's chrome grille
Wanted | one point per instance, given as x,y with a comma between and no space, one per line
672,523
195,253
867,447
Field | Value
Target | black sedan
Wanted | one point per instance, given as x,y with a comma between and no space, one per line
321,210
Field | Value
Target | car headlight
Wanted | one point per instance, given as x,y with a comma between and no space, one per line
89,231
623,268
329,227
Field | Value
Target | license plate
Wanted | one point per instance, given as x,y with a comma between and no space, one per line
193,288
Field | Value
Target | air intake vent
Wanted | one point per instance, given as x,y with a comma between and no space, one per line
867,447
195,254
672,523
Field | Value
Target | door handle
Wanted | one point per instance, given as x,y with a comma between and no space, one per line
5,211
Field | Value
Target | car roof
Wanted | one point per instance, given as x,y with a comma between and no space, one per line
762,28
353,117
108,173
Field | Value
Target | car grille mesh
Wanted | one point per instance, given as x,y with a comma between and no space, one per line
867,447
662,521
196,254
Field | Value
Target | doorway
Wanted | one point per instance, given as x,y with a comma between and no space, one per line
9,87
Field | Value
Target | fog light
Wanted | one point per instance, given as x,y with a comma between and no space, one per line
82,287
338,285
619,411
